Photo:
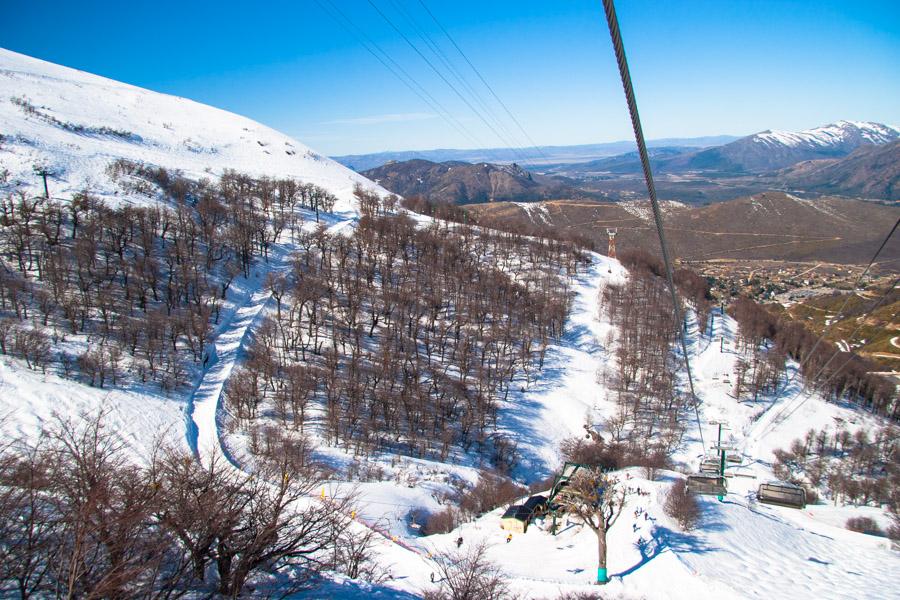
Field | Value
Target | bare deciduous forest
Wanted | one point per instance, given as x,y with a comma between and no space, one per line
405,338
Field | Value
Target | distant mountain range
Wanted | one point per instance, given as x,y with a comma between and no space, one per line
525,156
459,182
762,152
858,159
770,150
870,171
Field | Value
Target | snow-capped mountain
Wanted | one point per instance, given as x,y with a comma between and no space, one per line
843,135
770,150
75,124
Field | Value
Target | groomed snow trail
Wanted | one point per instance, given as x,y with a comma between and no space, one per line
760,555
204,404
204,411
554,407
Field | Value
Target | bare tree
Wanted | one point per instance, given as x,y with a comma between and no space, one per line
594,497
468,575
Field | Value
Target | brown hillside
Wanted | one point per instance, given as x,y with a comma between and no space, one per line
773,225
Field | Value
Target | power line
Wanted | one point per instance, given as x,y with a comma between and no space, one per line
483,80
821,370
821,337
444,78
445,60
840,311
396,69
619,49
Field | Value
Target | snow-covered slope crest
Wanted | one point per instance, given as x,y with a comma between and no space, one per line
836,135
76,124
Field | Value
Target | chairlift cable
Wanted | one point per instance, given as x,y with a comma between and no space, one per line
821,370
396,69
619,49
438,52
838,314
821,337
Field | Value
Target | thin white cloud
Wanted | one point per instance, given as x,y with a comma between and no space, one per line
378,119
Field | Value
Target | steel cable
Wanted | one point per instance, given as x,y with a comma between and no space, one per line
619,48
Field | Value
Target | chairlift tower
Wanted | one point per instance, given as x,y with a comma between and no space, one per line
611,252
721,451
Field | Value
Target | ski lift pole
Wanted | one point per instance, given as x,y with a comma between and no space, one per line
721,460
722,456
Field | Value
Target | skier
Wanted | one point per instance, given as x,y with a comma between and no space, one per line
509,538
459,541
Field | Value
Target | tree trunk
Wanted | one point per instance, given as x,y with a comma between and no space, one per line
601,557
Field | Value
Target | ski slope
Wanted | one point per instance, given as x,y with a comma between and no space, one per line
79,123
137,415
565,394
741,550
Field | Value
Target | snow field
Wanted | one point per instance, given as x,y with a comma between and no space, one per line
162,130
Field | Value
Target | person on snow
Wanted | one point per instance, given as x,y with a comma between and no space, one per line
509,538
459,541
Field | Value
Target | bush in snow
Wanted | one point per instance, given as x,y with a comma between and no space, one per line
893,531
78,518
468,575
579,596
682,506
616,455
852,467
864,525
444,521
491,491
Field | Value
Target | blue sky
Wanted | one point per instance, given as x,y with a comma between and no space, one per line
699,67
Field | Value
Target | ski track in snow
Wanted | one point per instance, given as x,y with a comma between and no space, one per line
761,555
204,411
554,407
204,406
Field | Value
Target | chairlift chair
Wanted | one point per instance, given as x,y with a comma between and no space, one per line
706,485
710,465
782,494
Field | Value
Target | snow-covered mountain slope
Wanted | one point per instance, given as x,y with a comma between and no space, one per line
843,135
76,124
770,150
741,549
